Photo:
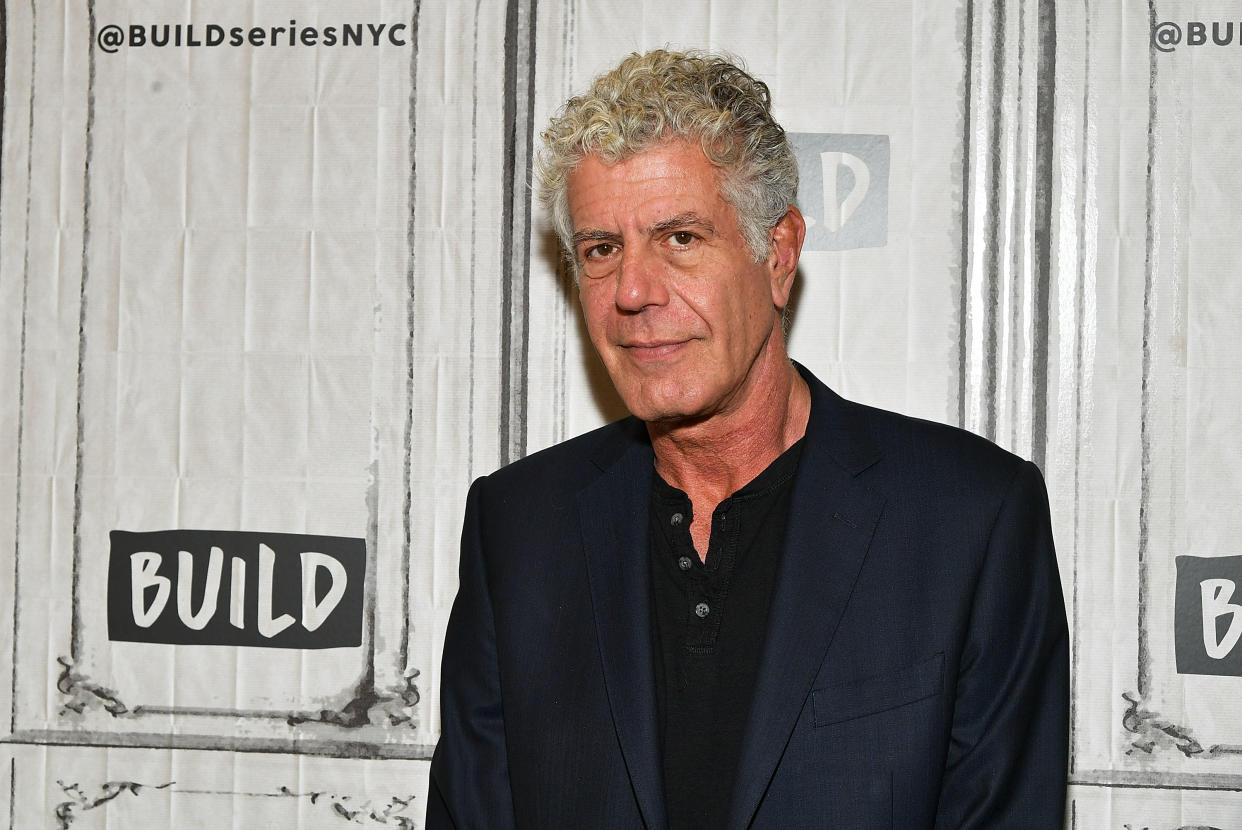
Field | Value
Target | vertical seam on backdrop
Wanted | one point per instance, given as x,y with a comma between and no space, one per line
991,254
564,277
21,371
1019,219
1045,124
407,464
1150,253
963,300
474,212
509,119
523,346
515,299
75,624
4,53
1083,195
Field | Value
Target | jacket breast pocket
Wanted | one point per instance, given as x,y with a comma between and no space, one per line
858,697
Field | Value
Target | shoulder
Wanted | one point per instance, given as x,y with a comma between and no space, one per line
935,446
936,473
899,453
562,470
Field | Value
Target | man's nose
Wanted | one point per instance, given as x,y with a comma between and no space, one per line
641,280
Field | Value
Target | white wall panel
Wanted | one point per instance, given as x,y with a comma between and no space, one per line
255,290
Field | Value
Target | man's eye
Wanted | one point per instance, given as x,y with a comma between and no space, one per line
681,239
604,249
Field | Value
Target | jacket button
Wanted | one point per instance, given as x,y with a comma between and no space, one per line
702,610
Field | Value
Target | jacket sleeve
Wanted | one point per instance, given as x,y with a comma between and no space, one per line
469,780
1006,765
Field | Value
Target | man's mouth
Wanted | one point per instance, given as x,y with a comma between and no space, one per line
653,349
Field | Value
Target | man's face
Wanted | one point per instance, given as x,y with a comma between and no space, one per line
674,301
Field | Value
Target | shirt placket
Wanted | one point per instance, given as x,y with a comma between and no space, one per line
708,582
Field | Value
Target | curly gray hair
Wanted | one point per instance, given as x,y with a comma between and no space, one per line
692,95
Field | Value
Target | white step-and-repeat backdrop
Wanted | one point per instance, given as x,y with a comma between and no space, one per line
273,291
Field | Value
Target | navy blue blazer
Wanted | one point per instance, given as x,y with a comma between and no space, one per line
915,671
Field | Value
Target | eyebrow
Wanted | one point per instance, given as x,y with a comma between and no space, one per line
594,235
681,220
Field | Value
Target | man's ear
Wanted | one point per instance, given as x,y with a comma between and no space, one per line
786,239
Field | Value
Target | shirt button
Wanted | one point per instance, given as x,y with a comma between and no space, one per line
702,610
676,519
684,563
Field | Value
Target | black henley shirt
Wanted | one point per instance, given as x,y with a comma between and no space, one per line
710,623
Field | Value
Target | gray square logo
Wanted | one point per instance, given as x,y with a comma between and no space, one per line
1207,618
843,189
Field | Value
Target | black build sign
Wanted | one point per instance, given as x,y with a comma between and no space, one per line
1207,624
231,588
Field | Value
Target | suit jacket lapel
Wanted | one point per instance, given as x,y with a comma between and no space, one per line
614,519
831,521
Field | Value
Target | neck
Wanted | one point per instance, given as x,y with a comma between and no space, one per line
715,457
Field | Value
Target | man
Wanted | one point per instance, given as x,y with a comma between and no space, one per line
753,604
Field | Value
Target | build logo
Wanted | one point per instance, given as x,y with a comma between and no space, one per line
1208,617
229,588
842,189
